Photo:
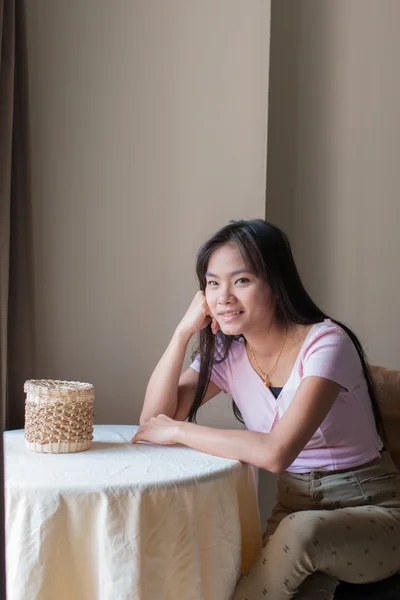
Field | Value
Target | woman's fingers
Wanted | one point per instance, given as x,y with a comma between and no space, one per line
137,435
198,314
142,429
207,308
214,326
213,320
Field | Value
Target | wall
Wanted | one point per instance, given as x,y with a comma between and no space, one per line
148,132
333,164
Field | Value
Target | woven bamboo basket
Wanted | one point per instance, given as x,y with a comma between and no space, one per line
58,415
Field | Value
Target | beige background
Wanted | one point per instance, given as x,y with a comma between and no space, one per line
148,133
333,158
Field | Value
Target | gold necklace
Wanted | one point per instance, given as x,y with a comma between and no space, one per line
265,376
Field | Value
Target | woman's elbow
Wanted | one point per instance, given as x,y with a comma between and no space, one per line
276,461
275,466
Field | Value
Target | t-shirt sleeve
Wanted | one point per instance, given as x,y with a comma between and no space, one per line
331,354
218,373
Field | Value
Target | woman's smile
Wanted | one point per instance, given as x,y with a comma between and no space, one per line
230,315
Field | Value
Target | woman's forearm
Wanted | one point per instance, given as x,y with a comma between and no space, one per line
162,390
250,447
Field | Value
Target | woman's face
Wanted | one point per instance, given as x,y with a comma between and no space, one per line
239,300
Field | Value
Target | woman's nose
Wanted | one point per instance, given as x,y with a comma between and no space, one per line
225,295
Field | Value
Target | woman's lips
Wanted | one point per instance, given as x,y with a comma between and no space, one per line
228,318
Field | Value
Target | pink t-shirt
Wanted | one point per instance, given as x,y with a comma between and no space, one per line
347,437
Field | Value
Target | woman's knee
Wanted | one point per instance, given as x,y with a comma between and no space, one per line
302,531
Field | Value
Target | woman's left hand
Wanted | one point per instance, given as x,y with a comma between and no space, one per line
158,430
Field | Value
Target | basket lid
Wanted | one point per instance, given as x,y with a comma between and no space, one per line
57,388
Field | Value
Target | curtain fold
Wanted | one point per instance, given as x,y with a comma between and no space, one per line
7,46
7,32
16,279
20,324
16,260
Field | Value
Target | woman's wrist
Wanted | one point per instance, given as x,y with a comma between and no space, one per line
183,333
179,437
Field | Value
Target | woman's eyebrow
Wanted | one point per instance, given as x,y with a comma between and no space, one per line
238,272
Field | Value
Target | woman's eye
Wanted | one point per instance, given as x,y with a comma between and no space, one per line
242,280
212,283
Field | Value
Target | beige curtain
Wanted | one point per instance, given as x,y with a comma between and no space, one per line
7,45
16,285
16,293
7,32
20,322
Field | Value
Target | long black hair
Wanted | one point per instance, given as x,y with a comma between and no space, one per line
266,251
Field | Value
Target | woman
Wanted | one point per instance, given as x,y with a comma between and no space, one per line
301,383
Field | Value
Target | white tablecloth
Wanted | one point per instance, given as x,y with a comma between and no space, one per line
126,522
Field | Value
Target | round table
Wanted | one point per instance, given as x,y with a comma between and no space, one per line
126,522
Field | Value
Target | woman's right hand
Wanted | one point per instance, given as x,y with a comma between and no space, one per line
198,316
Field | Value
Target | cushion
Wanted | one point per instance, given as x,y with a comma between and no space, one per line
387,382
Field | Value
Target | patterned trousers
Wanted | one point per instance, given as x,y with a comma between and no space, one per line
326,527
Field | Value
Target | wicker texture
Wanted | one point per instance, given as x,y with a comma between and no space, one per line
58,415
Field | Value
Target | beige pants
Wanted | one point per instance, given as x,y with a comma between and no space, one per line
326,527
